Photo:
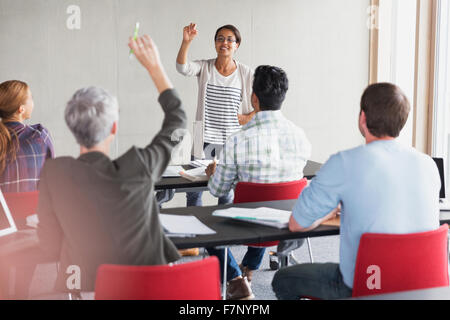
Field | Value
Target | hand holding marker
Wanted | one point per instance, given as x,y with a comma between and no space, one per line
136,30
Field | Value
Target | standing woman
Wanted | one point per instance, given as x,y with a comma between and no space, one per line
224,95
23,148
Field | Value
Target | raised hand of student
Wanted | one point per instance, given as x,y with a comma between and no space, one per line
145,51
147,54
190,32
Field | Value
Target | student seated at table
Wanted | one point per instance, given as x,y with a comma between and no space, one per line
23,148
268,149
94,210
382,187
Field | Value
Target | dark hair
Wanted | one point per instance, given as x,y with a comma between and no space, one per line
233,29
386,108
270,85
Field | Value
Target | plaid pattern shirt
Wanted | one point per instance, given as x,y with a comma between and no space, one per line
35,146
268,149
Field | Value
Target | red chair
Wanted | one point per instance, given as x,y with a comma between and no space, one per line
22,204
198,280
404,262
255,192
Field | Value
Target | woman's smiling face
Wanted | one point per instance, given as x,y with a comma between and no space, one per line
225,43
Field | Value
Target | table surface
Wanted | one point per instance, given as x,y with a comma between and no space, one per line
180,183
229,231
234,232
439,293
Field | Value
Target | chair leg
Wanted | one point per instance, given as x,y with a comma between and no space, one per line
224,282
310,250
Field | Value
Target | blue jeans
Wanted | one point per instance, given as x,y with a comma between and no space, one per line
252,259
314,280
195,198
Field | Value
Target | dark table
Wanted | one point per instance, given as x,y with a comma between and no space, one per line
232,232
181,183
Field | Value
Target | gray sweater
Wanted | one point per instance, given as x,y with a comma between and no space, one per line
94,210
202,70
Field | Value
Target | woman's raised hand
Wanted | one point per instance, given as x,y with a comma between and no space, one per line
190,32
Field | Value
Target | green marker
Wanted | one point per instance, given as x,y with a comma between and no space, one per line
136,30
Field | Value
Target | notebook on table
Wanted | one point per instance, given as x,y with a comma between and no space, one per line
444,204
266,216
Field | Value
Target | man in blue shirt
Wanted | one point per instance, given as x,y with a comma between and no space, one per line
379,187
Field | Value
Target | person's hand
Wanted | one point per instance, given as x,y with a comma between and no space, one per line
146,52
190,32
211,168
333,213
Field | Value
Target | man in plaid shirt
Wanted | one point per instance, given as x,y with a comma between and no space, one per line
268,149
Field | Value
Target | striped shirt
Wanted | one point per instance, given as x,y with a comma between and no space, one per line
222,102
35,146
268,149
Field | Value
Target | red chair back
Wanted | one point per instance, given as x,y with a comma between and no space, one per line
254,192
198,280
22,204
403,262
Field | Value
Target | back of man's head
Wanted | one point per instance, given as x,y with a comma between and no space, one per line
386,108
270,85
90,115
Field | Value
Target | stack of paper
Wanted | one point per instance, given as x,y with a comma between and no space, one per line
196,174
200,163
183,226
265,216
172,171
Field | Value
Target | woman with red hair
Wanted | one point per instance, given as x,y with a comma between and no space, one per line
23,148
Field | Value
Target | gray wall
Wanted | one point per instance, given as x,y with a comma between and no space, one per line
322,45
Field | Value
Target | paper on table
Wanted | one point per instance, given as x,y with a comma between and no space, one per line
262,215
196,174
172,171
32,221
186,225
200,163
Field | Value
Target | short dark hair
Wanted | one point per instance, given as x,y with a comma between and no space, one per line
233,29
386,108
270,85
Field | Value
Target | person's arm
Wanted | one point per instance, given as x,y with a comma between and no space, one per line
49,230
189,34
50,154
294,226
223,177
184,66
320,200
244,118
156,155
247,108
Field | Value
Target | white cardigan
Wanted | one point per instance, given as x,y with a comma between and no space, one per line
202,70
